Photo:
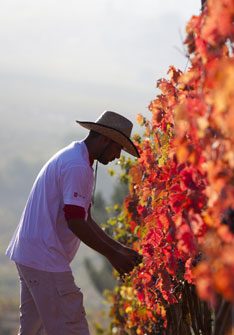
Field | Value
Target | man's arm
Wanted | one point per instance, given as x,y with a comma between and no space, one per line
99,230
123,259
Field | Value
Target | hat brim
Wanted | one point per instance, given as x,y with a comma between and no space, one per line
115,135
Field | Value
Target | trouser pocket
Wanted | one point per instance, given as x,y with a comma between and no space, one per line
71,302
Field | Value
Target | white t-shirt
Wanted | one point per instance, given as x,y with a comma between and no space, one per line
42,239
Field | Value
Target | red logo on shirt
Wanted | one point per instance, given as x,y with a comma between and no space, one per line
75,194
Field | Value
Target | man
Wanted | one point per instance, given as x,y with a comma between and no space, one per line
55,219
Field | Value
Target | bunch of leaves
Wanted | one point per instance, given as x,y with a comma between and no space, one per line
179,211
162,219
210,78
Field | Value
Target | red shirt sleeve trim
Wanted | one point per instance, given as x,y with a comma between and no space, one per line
73,212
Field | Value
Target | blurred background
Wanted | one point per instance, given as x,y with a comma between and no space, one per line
66,60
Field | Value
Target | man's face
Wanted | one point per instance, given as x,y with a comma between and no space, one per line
110,152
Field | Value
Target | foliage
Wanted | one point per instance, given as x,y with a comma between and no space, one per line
179,211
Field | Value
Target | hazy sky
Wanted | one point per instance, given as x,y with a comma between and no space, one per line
75,58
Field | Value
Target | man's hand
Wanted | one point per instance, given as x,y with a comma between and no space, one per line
125,259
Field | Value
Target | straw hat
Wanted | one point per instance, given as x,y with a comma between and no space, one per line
116,127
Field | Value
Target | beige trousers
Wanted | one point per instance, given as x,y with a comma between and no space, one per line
51,303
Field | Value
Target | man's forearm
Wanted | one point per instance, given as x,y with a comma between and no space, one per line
93,236
123,259
104,236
